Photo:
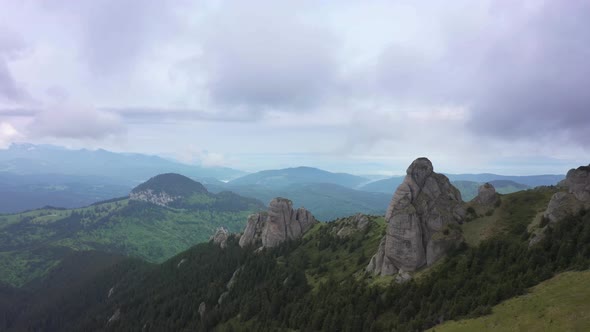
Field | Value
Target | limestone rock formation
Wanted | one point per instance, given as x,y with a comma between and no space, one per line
229,286
577,181
158,198
562,204
202,309
165,189
220,237
422,221
115,317
486,195
345,228
280,223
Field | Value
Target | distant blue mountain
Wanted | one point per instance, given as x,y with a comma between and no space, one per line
130,168
33,176
298,175
26,192
529,180
327,201
503,183
383,186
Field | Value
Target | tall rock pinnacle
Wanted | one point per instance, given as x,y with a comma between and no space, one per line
280,223
420,218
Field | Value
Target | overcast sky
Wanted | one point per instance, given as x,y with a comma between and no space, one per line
357,86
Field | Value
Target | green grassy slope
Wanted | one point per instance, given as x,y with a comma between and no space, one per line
515,213
559,304
33,242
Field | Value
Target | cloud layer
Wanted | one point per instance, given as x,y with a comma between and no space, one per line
465,81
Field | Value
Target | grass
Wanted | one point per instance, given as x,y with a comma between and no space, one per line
516,212
31,242
558,304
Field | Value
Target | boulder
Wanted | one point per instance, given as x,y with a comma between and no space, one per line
486,195
577,181
346,227
220,237
403,277
421,219
564,203
279,224
202,310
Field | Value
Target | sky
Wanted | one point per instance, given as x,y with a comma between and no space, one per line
356,86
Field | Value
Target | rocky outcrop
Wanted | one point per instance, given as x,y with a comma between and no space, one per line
158,198
561,205
577,181
486,195
202,310
115,317
577,197
220,237
229,286
564,203
348,226
279,224
422,221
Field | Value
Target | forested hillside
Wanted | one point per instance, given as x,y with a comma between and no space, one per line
319,282
33,242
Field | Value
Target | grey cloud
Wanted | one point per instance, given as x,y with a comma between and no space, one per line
11,47
156,115
263,57
10,89
523,72
77,122
535,79
18,112
116,35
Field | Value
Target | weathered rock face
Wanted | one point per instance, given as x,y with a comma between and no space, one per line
254,227
577,181
347,227
421,219
486,195
160,198
220,237
202,309
280,223
563,203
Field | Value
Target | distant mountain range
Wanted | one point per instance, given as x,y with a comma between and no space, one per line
298,175
25,192
328,201
467,182
35,176
128,168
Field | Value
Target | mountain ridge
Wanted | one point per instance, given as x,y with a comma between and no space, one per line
276,178
134,227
